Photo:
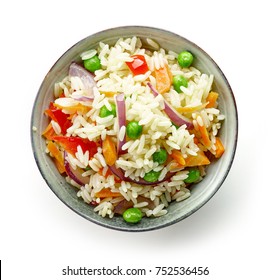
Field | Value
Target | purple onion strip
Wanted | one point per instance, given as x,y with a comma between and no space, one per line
172,114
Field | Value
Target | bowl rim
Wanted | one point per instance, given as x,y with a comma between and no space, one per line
129,228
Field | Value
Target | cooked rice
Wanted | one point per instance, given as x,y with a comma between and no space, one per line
144,107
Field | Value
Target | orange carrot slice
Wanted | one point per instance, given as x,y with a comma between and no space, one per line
198,160
219,148
107,193
205,136
212,99
178,157
182,110
74,109
49,132
57,154
109,93
109,150
163,79
189,161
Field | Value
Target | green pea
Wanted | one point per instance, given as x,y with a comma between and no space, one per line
92,64
193,176
152,176
134,130
105,112
132,215
178,82
160,156
185,59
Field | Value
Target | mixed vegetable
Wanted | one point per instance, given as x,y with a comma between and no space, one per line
63,147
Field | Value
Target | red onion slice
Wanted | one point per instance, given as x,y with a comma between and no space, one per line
121,175
121,115
118,172
83,98
75,174
176,118
75,70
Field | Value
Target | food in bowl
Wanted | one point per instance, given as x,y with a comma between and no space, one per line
133,128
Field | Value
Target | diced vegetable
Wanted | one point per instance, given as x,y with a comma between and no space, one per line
75,70
193,176
212,99
205,136
75,174
160,156
178,82
105,112
58,116
78,108
49,132
152,176
107,193
219,148
58,155
122,206
132,215
139,65
178,157
190,161
109,151
172,114
198,160
92,64
185,59
163,79
134,130
109,94
189,109
71,143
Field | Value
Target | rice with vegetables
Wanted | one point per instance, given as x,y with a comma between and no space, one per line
133,128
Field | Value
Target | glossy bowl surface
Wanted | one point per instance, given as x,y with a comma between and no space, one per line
216,172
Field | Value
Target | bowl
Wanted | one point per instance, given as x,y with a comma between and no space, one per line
202,192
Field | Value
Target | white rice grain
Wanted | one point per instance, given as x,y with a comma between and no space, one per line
122,133
152,43
163,174
93,165
141,204
133,145
180,198
150,152
173,144
158,209
88,54
161,213
100,159
141,144
56,127
200,121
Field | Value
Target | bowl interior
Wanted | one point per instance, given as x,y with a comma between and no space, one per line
201,192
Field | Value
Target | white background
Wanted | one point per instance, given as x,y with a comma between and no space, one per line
40,236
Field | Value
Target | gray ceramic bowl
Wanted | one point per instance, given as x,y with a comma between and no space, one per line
216,172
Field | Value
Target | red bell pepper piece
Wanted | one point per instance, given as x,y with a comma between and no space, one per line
58,116
70,144
138,65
